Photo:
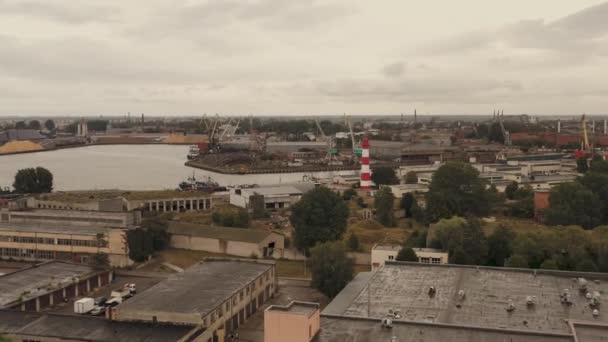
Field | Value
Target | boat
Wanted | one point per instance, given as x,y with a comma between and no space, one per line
193,152
193,185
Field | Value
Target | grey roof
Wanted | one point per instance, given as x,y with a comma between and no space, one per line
199,289
274,190
38,280
344,329
299,308
51,228
404,287
215,232
85,328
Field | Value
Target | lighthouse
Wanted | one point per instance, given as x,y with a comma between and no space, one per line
366,175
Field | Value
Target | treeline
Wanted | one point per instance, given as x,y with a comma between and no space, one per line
567,248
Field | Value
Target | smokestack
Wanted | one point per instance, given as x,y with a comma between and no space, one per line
366,179
559,125
605,126
415,116
593,126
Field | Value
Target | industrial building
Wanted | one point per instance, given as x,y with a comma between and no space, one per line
425,302
24,241
217,294
241,242
71,217
115,200
294,322
275,197
44,285
32,326
383,253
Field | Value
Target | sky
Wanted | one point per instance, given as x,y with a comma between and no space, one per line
300,57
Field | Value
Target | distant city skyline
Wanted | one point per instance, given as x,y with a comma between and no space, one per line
274,57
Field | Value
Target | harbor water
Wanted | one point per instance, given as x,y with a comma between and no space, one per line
130,167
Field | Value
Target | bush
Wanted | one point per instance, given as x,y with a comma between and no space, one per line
407,254
517,261
330,267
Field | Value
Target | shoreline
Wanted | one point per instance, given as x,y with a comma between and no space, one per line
87,145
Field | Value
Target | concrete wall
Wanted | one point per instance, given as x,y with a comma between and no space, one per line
280,326
73,218
237,248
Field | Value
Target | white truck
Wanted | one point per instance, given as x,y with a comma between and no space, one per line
123,293
84,305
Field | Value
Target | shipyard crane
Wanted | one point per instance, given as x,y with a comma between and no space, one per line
323,136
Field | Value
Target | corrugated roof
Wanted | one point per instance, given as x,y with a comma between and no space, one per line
217,232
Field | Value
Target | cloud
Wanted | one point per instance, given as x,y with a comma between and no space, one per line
394,69
67,12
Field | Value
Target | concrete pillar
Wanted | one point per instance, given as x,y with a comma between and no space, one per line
191,204
37,304
89,285
23,307
149,206
63,293
99,280
109,277
76,290
51,299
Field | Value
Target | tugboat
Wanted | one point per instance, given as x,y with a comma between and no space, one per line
193,185
194,152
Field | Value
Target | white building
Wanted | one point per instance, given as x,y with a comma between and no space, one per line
383,253
401,189
277,197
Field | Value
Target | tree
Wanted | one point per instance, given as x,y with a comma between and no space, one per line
348,194
582,165
407,202
33,181
500,245
140,243
157,228
100,260
353,243
517,261
464,240
411,177
34,124
598,164
573,204
384,176
21,125
384,202
49,125
319,216
586,265
231,217
407,254
456,190
330,267
511,189
258,206
549,264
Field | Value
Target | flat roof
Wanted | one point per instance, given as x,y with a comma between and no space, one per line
273,190
303,308
217,232
347,329
197,290
51,228
95,195
71,212
86,328
404,286
39,279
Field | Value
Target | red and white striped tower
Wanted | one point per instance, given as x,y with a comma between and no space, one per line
366,174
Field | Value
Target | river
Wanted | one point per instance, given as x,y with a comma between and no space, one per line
128,167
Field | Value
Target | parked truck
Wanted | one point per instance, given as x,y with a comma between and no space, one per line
84,305
123,293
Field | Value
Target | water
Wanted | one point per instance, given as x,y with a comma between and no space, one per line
129,167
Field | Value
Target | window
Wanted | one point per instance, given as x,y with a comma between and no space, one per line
242,294
391,257
436,261
425,260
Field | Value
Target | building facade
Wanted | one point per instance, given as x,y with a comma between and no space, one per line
384,253
295,322
34,242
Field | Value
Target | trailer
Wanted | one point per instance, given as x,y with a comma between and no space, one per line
84,305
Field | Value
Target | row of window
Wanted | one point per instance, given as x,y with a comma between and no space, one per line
244,292
424,260
67,218
26,253
53,241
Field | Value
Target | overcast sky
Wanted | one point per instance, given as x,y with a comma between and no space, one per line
66,57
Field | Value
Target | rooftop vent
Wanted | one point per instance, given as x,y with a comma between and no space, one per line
432,291
530,300
565,297
461,294
596,312
387,323
582,284
510,306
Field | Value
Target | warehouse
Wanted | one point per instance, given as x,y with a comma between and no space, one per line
44,285
31,326
63,242
218,294
469,303
241,242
